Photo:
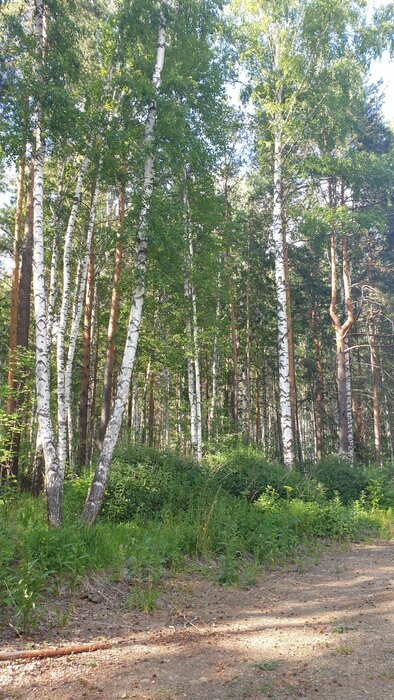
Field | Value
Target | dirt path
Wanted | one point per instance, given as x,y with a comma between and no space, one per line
321,629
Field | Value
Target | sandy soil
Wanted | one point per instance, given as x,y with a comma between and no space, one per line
321,629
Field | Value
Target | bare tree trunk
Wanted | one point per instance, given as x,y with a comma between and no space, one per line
94,355
319,384
214,364
151,412
86,369
194,379
62,402
285,403
345,432
77,314
53,473
112,325
54,258
11,403
375,377
97,488
246,374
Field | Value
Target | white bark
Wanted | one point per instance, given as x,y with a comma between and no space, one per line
197,376
283,339
54,258
96,491
61,334
190,376
214,366
53,481
194,379
77,315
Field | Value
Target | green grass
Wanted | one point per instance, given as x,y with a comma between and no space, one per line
160,512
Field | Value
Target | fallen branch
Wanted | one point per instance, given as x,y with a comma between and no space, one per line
56,651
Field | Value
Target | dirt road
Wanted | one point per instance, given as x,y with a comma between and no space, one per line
321,629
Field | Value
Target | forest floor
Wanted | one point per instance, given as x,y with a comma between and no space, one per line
321,628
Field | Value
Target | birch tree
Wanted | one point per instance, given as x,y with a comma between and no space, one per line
96,491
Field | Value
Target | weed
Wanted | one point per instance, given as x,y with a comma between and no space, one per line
267,665
143,599
344,650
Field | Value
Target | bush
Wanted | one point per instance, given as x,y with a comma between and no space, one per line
245,472
340,476
160,509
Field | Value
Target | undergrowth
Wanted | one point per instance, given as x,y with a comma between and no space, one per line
237,511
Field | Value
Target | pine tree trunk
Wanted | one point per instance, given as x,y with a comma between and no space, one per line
11,404
246,372
94,356
53,475
97,488
375,377
319,384
112,326
86,369
24,294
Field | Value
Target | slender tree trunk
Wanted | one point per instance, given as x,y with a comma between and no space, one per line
192,330
151,412
61,333
214,364
292,375
54,258
246,373
86,357
319,384
286,414
53,474
359,412
11,403
345,433
77,312
112,326
94,356
349,402
24,293
97,488
375,377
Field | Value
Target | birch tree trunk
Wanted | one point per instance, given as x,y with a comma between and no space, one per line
286,417
214,365
53,476
78,307
112,325
97,488
54,258
190,375
62,403
194,379
345,428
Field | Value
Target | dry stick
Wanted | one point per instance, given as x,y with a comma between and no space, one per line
57,651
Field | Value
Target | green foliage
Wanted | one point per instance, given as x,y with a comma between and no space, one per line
160,512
